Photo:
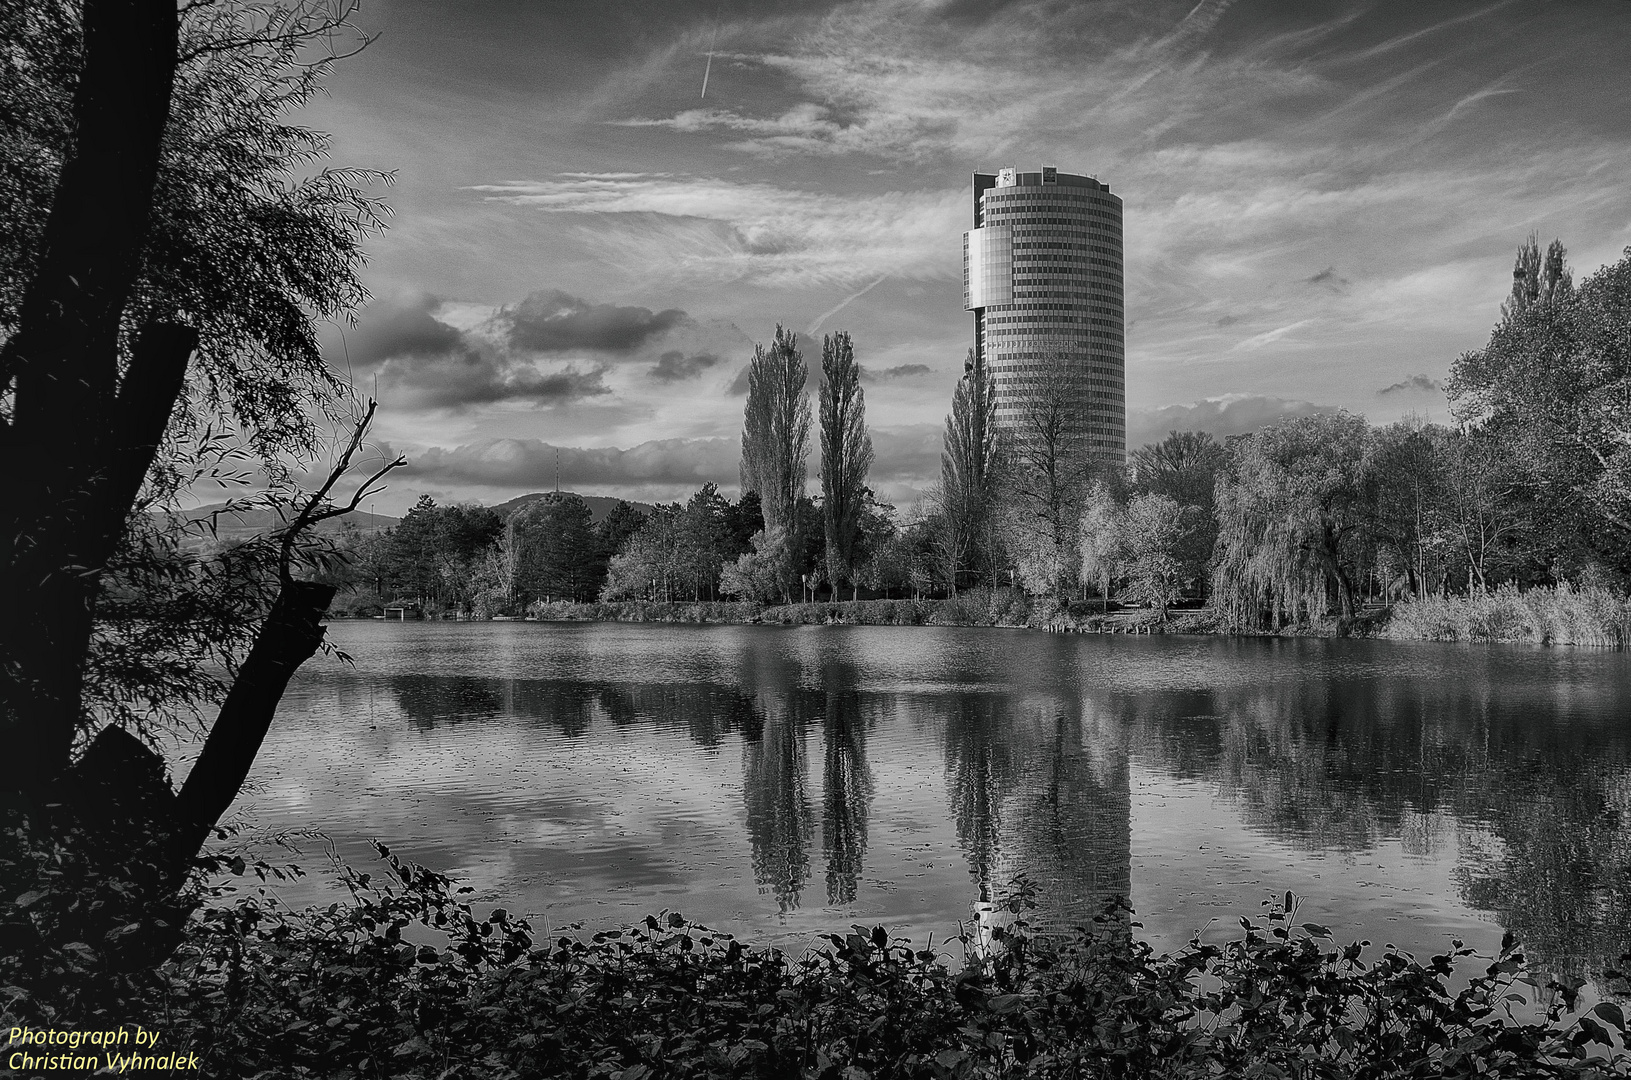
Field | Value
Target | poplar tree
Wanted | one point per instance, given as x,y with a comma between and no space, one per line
776,429
846,455
1537,281
968,472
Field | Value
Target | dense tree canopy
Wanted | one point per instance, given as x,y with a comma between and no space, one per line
1553,389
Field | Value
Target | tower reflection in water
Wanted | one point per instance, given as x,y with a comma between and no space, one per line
1508,769
1039,791
1036,788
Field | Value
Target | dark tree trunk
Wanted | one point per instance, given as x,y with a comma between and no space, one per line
291,634
64,471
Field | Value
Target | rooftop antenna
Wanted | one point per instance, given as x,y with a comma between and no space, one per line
710,65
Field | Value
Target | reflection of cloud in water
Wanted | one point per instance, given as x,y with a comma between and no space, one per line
597,779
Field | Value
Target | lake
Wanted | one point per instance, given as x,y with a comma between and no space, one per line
783,782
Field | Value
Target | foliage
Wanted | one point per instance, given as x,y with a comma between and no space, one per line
407,981
761,573
1553,389
776,428
1537,281
1152,532
555,550
1290,517
681,611
970,475
1048,471
1101,539
1564,615
249,243
846,455
1184,466
677,551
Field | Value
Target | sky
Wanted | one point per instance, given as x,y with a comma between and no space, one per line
1323,201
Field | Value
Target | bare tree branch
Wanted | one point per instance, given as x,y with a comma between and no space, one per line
315,509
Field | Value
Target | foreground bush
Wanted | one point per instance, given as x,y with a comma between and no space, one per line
1565,615
358,990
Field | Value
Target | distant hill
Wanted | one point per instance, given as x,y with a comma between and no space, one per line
243,524
600,506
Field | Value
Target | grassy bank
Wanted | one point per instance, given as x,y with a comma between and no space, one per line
409,982
973,607
1564,615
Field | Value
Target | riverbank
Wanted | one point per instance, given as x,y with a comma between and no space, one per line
1563,615
1000,607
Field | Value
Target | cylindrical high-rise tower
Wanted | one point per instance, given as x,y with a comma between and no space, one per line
1042,273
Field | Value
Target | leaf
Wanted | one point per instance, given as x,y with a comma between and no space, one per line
1316,929
1005,1003
33,896
1608,1010
1595,1031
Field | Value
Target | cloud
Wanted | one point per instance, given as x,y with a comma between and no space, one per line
399,328
1232,414
907,458
690,228
556,322
804,125
549,350
1416,384
739,385
477,374
1330,279
530,463
675,366
902,371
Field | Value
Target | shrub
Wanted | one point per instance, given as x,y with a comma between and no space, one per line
1564,615
406,981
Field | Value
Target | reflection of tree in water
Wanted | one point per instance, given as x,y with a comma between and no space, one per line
775,786
431,699
846,793
1038,794
979,773
1558,872
706,712
1072,819
1542,799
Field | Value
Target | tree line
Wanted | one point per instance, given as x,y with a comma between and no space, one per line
1311,517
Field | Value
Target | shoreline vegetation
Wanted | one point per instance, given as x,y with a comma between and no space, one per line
406,980
1556,615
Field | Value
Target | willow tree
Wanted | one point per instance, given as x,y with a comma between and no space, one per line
169,241
1292,507
969,471
846,455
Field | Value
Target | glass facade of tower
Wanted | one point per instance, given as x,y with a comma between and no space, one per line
1042,273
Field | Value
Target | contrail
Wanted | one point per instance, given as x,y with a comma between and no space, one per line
710,65
842,304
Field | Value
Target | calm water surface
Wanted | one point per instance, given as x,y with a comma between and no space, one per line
784,782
